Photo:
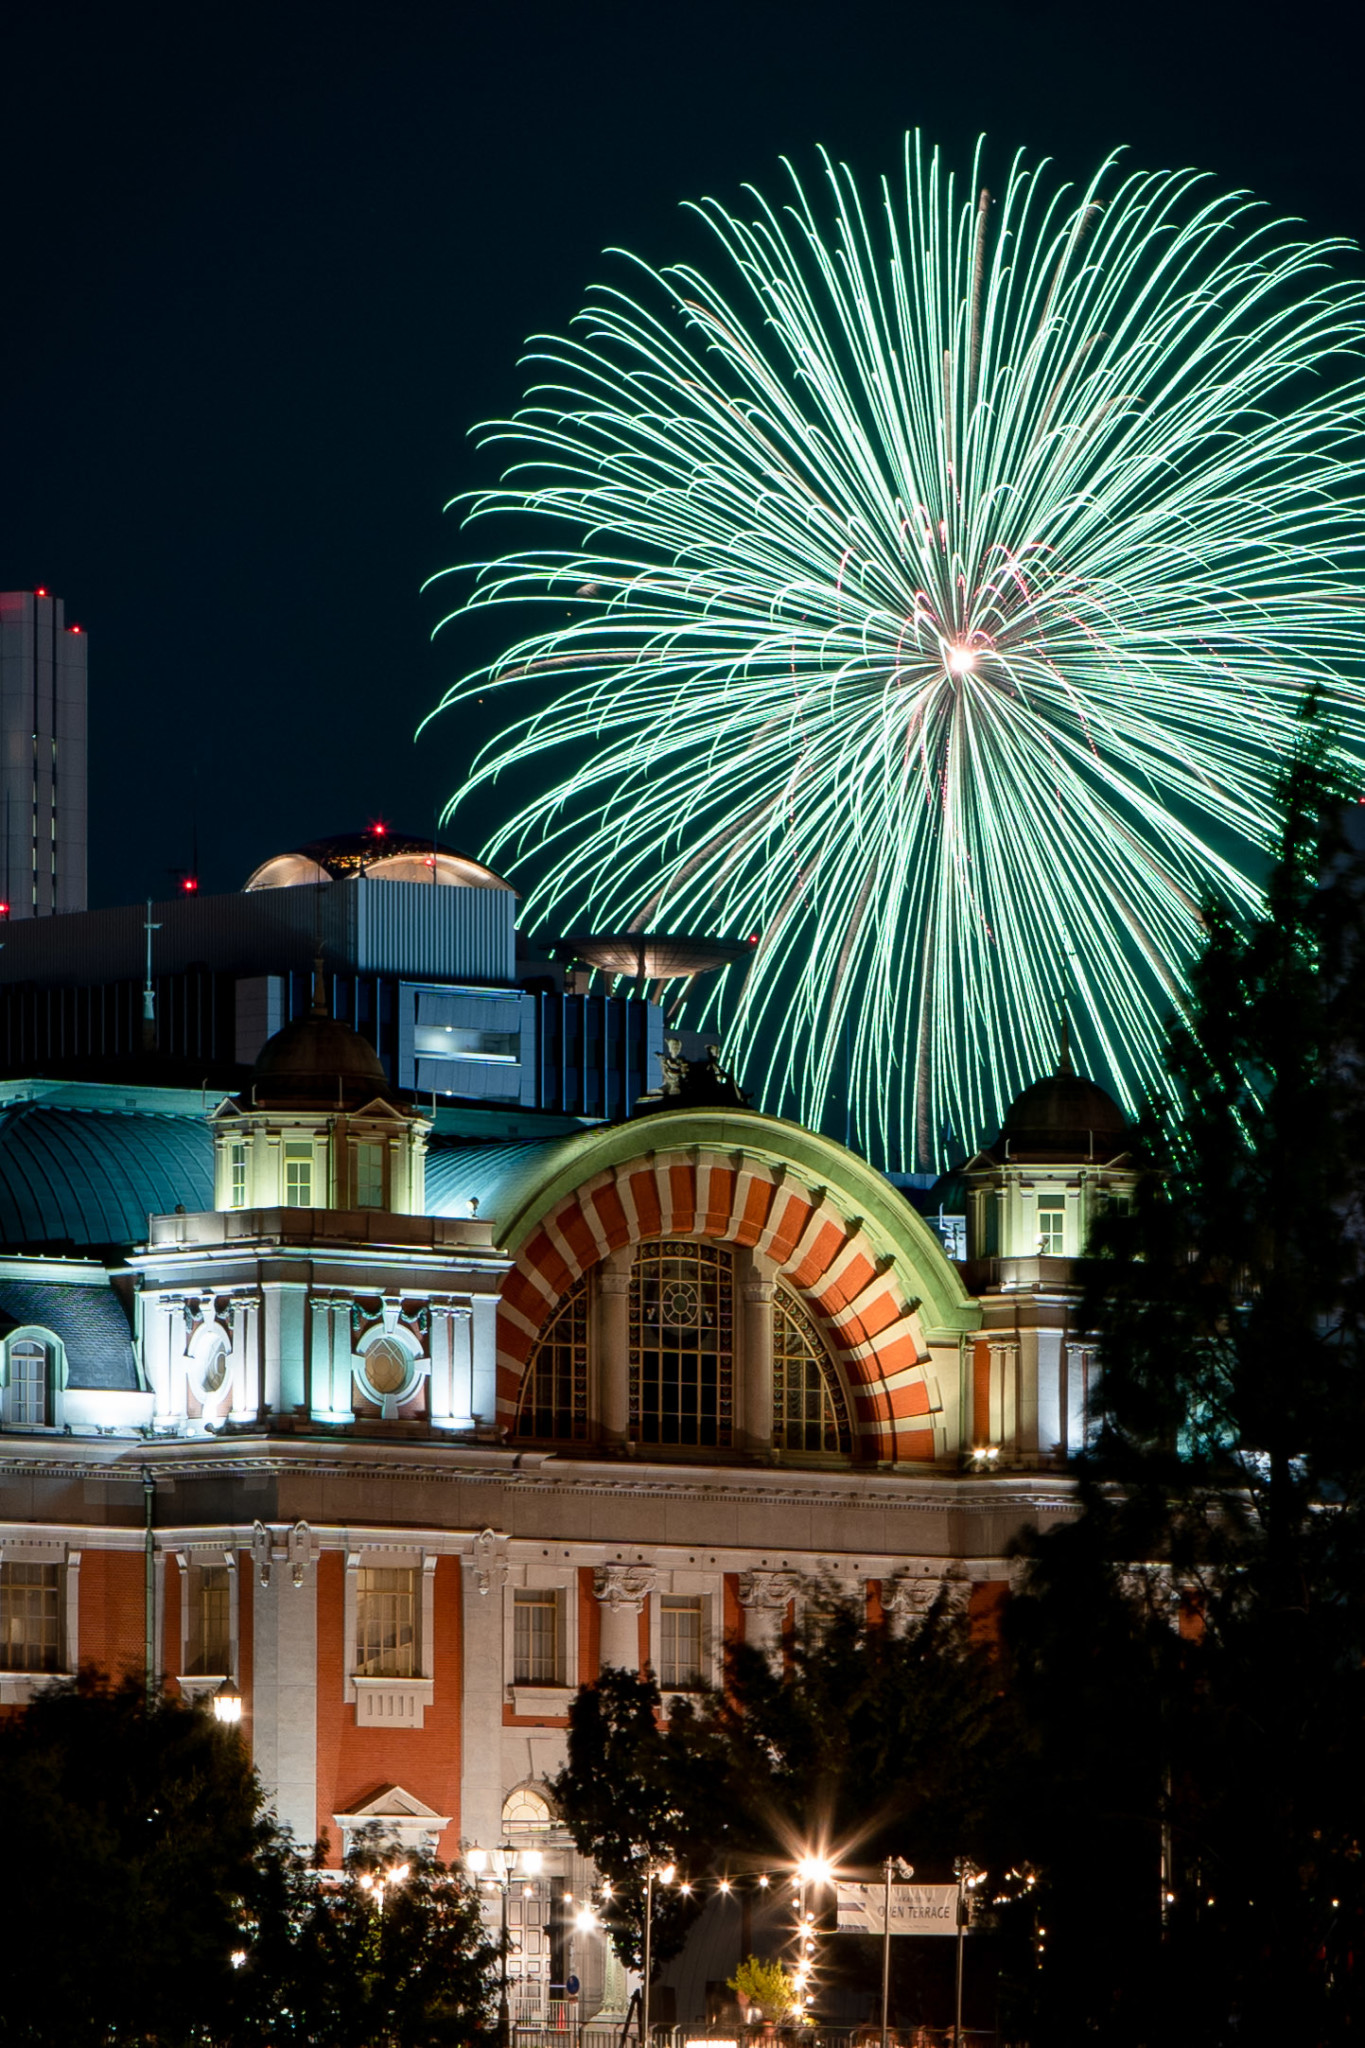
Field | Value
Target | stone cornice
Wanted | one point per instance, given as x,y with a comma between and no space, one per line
539,1474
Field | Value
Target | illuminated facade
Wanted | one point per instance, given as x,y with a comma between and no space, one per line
431,1429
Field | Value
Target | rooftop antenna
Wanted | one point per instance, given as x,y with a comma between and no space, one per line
148,992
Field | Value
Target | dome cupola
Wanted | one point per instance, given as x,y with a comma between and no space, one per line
320,1126
1065,1117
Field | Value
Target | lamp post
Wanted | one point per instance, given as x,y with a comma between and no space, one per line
664,1872
378,1881
811,1870
227,1704
905,1871
498,1866
966,1874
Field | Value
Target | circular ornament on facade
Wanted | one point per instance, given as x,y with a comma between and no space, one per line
387,1368
215,1372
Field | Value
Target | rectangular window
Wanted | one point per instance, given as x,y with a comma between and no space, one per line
369,1176
211,1621
458,1042
30,1617
681,1644
1051,1229
535,1647
237,1160
298,1176
386,1622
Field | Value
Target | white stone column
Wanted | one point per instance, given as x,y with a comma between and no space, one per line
483,1574
765,1597
284,1683
483,1359
613,1349
756,1358
622,1590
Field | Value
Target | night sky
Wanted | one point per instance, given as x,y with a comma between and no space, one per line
264,268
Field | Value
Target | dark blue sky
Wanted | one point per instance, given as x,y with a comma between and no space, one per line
264,267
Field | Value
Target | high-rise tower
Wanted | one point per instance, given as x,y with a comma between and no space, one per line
42,756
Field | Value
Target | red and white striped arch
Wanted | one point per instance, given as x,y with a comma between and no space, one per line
848,1281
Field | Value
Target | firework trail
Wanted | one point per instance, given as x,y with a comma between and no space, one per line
930,589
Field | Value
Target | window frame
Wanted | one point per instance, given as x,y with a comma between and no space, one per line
390,1702
834,1396
705,1253
1050,1206
17,1687
191,1563
54,1383
367,1153
304,1151
540,1696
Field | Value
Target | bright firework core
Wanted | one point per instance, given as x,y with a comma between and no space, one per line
772,494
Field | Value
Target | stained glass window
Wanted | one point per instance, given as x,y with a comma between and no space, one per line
554,1393
682,1344
809,1409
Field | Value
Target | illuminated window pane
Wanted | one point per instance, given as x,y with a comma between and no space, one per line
1051,1229
681,1640
535,1638
554,1393
809,1410
682,1344
30,1617
386,1622
298,1176
237,1161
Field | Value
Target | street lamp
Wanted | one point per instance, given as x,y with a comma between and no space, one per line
498,1866
812,1869
968,1876
378,1881
664,1872
227,1703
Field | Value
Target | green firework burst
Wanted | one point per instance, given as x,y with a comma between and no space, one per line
932,588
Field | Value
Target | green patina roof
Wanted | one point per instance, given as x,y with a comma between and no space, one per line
92,1177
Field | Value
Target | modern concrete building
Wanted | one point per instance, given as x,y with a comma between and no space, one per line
42,757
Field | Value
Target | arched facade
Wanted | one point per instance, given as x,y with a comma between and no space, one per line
805,1246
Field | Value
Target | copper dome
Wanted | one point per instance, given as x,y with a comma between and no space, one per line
1064,1117
317,1061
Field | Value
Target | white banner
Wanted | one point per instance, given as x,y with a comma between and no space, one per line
915,1909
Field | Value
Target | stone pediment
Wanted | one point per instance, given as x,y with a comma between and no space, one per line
401,1814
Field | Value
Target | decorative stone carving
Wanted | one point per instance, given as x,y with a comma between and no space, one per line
909,1596
260,1551
299,1549
620,1586
490,1561
769,1590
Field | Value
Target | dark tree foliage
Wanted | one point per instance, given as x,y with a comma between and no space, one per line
143,1863
867,1743
134,1832
1190,1655
329,1967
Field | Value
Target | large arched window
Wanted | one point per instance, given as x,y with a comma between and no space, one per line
809,1410
554,1393
682,1344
